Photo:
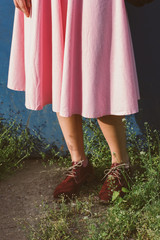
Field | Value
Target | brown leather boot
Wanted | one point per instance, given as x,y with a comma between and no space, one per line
117,177
76,176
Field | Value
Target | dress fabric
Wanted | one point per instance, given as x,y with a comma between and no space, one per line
76,55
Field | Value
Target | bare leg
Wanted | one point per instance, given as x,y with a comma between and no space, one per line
114,132
72,131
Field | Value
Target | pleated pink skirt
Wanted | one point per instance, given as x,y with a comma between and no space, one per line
76,55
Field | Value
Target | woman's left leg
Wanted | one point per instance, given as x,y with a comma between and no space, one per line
113,129
114,132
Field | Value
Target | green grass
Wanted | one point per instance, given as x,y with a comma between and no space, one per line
135,216
17,144
14,146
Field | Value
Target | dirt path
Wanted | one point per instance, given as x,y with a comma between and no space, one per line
21,192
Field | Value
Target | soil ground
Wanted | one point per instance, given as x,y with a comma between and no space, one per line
21,196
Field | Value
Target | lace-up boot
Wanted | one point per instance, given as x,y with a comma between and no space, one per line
76,175
117,177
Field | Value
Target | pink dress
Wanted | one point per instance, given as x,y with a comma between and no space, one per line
76,55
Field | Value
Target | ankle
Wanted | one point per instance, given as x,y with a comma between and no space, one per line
120,161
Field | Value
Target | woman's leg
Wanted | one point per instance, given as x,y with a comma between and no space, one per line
73,134
114,132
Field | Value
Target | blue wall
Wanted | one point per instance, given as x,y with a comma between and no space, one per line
12,102
146,40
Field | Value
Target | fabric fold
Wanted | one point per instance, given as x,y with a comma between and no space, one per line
77,56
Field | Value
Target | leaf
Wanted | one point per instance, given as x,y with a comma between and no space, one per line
120,200
124,189
115,195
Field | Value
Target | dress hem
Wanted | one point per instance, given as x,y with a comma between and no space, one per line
40,107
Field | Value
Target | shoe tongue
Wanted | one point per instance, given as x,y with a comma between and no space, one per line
74,163
78,163
114,164
76,169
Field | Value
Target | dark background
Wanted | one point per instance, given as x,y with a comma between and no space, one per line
145,29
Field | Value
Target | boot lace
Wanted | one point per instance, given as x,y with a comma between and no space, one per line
112,171
70,170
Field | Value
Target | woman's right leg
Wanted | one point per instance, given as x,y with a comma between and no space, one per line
81,168
73,134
